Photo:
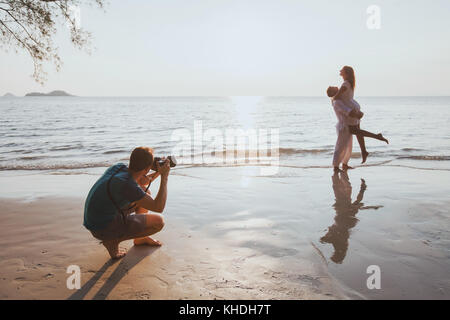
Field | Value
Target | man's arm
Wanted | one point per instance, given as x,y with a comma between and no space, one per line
158,204
340,107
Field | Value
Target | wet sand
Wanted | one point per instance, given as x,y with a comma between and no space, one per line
42,237
300,234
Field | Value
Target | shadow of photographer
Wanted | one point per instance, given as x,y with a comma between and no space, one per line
134,255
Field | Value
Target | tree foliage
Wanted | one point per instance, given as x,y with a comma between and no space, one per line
31,25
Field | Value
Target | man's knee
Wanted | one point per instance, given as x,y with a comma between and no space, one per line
155,220
160,223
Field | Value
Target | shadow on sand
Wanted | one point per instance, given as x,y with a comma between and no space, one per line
134,255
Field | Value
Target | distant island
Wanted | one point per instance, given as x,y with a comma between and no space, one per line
56,93
8,95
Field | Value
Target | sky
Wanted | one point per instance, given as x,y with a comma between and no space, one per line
248,48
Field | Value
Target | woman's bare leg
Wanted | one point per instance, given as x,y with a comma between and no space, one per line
378,136
360,134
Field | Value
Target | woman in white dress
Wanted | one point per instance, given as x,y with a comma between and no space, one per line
344,142
345,94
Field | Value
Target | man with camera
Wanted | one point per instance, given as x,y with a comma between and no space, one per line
122,190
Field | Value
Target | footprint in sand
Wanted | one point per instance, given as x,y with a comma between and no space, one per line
143,295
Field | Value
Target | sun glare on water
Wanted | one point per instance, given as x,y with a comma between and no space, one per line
246,107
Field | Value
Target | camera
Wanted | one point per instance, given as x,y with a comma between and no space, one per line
173,162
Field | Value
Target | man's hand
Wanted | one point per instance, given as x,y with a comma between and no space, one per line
158,204
164,170
360,115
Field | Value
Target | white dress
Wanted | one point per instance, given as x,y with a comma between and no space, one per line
344,142
347,99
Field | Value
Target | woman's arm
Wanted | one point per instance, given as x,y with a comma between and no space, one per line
341,90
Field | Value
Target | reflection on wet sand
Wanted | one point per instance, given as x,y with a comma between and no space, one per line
339,233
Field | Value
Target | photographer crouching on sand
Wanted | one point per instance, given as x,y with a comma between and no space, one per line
122,190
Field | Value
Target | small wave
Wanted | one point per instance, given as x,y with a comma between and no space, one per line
11,144
429,158
23,151
67,147
27,136
264,152
289,151
386,163
32,158
115,151
411,149
74,166
417,168
55,166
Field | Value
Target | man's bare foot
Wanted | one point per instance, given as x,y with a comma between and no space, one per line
380,137
364,156
147,241
346,167
336,170
113,249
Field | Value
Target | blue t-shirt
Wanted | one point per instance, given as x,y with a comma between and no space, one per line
99,210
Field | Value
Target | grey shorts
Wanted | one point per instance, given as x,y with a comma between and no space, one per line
132,227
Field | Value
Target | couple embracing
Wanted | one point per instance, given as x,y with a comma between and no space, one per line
348,113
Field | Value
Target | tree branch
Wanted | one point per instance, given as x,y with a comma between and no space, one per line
30,25
20,24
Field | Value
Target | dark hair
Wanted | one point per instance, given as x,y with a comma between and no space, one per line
351,76
141,158
330,91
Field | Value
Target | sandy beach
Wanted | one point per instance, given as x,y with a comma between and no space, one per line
187,266
253,252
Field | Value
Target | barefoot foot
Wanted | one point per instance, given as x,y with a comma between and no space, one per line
380,137
147,241
346,167
364,156
113,249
